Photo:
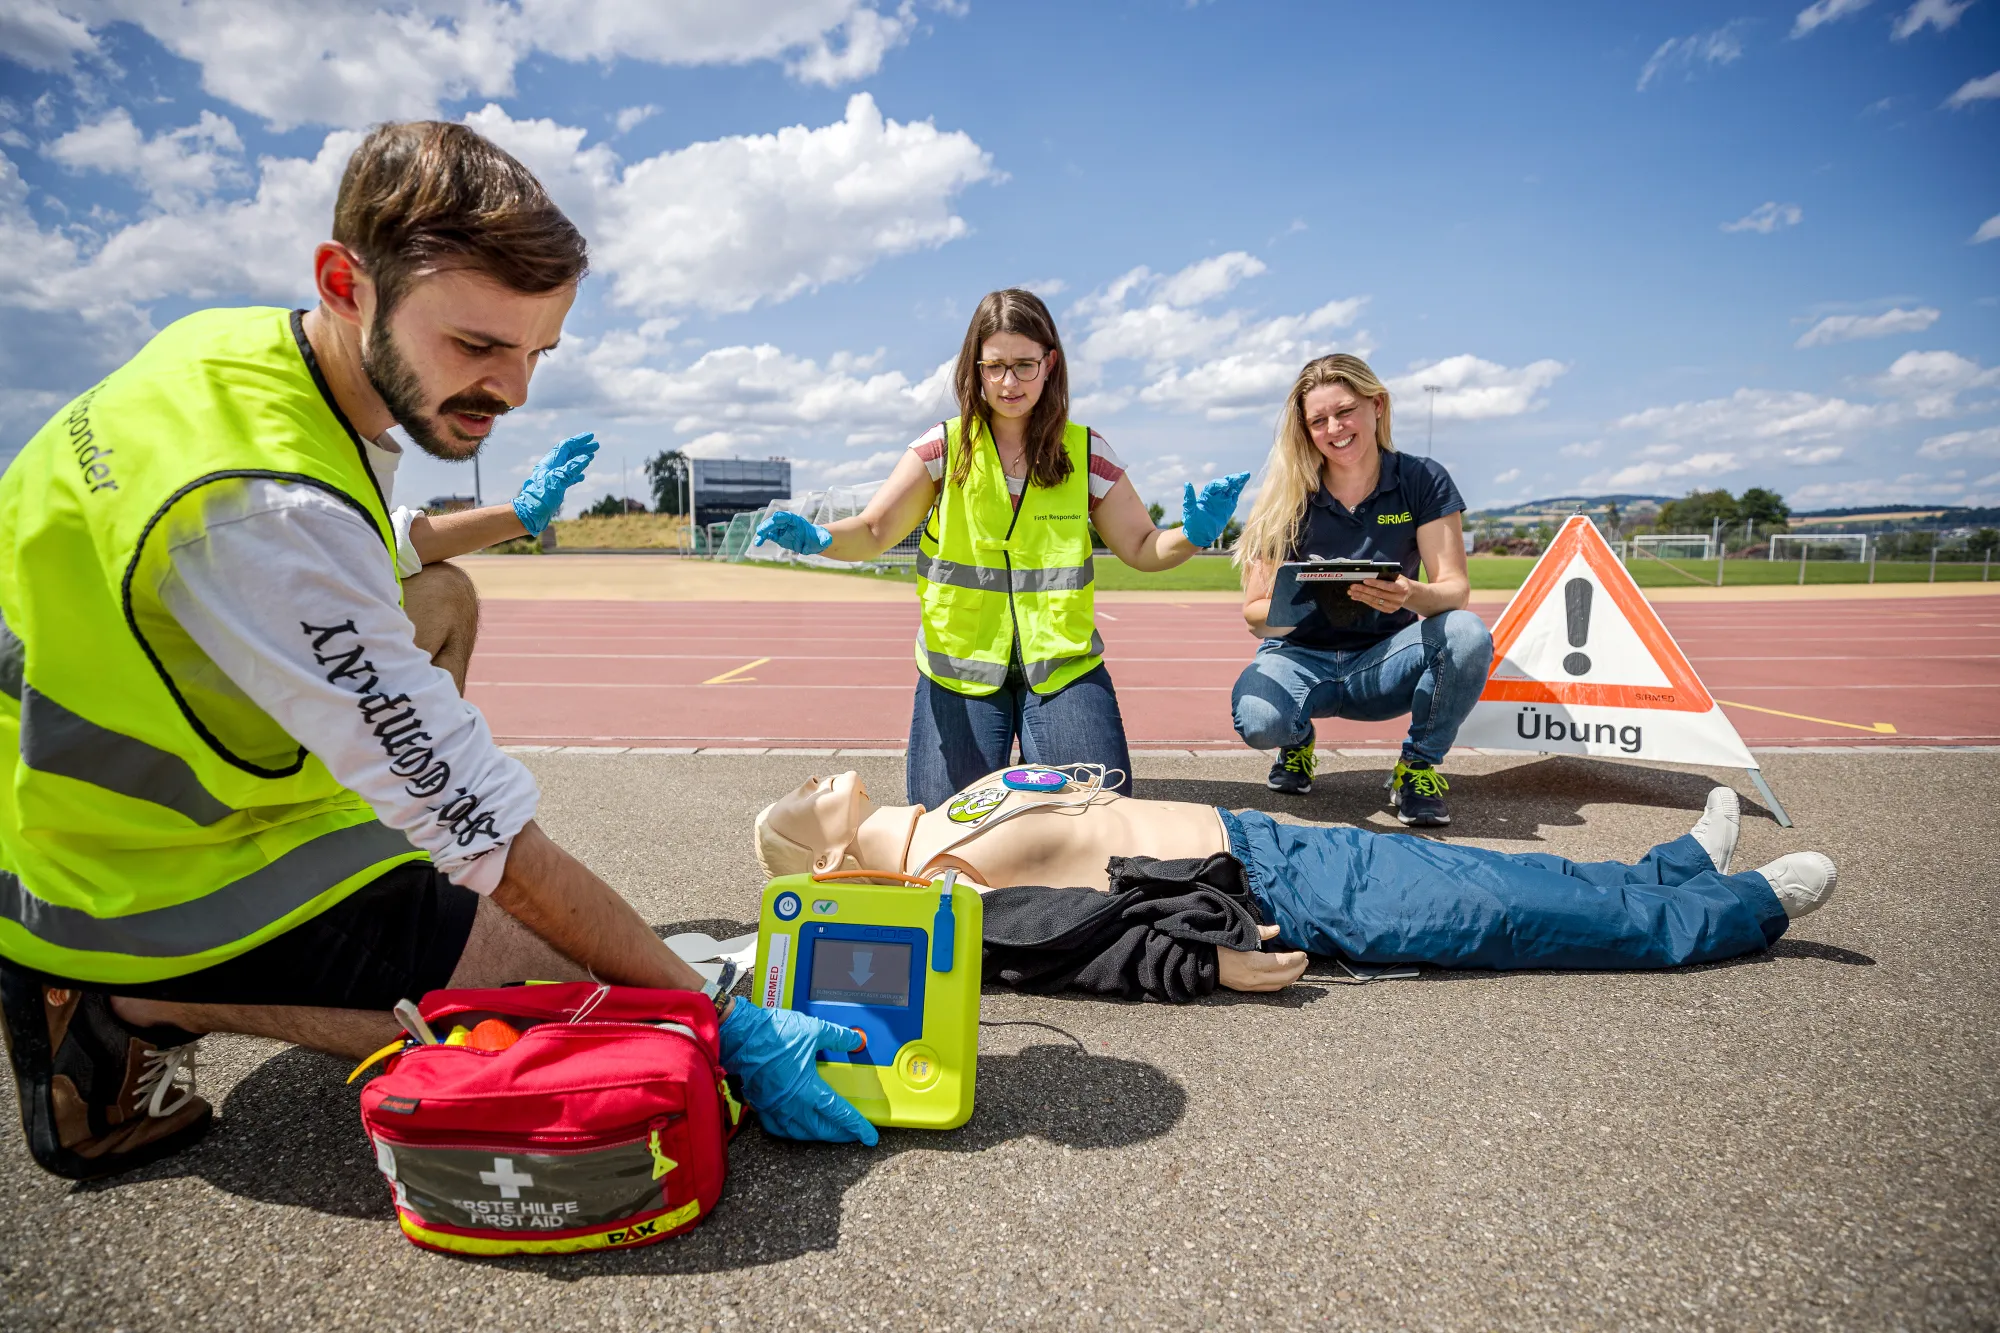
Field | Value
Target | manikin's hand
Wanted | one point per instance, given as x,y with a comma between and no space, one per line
1241,970
562,467
1382,594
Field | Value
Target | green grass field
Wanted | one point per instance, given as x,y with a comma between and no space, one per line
1507,572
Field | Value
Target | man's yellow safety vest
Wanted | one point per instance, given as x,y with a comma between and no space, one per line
155,821
988,573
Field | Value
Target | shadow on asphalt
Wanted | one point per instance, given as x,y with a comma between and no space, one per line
290,1134
1515,803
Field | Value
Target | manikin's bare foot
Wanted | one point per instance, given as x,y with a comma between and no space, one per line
1239,969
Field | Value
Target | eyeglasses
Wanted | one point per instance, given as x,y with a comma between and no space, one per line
1024,371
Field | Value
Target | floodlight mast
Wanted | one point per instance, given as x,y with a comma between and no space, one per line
1430,430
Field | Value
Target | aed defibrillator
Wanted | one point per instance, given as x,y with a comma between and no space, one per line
898,961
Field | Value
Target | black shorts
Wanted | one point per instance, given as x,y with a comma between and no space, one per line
393,939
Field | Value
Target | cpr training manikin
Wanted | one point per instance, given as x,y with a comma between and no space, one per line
1369,898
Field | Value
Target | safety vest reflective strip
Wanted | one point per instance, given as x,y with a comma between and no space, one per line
967,644
218,918
989,578
135,844
995,674
55,740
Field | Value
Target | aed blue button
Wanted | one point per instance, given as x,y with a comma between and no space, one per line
787,906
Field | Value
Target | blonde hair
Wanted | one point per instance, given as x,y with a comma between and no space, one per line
1294,469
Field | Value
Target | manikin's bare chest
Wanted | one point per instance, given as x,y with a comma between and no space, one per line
1061,845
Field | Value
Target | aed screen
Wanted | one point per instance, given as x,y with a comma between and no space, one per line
861,972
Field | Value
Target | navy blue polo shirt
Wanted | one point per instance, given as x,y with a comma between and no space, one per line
1410,493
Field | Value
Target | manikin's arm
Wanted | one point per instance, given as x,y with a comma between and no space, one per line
1238,969
1121,519
896,509
446,535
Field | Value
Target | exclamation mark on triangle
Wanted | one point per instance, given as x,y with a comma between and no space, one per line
1576,604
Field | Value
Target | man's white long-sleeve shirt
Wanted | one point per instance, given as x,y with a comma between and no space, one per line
286,589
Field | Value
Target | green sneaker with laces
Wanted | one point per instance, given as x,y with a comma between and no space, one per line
1293,773
1417,793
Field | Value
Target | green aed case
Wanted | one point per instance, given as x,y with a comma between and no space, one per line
899,961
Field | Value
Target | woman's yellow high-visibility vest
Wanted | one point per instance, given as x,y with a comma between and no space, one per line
153,820
988,573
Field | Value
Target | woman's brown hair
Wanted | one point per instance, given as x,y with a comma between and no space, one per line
1014,310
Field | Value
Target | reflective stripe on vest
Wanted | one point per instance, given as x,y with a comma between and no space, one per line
55,740
985,578
216,919
154,819
994,579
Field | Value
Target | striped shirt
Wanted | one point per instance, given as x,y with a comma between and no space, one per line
1105,467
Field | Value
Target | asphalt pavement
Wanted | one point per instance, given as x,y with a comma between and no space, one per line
1802,1138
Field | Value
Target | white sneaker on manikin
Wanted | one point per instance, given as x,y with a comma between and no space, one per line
1716,830
1803,881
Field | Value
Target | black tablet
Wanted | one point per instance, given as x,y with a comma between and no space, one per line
1305,585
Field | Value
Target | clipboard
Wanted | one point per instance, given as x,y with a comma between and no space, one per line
1305,586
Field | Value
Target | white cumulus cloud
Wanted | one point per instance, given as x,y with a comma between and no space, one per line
1931,381
1982,443
1822,12
351,62
750,399
40,35
1719,46
1939,14
1755,416
1849,328
1471,389
1767,217
1989,230
1975,90
729,223
1709,464
175,168
1220,364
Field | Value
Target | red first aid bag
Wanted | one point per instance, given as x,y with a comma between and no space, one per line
605,1125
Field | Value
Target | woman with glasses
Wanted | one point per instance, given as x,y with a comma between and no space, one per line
1336,488
1007,492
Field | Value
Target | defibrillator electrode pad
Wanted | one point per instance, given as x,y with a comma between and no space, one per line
900,962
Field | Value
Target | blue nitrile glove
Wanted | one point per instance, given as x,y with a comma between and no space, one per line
562,467
794,532
1204,519
772,1052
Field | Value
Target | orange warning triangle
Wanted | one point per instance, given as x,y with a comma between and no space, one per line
1557,643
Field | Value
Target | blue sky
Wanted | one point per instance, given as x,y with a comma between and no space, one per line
1641,248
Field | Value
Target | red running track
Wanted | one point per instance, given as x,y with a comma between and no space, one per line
841,674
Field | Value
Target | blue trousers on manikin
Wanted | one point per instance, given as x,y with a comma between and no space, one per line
1392,898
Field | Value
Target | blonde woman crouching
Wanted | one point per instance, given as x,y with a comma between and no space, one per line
1335,487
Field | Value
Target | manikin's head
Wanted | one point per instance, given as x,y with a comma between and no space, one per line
811,830
455,271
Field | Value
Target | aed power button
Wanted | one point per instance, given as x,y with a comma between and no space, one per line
918,1066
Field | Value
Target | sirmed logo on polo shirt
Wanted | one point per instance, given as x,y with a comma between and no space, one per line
1403,517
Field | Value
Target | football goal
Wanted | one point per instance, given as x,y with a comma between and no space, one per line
1675,545
1819,546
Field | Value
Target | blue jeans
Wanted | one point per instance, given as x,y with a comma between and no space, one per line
1432,670
956,739
1391,898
